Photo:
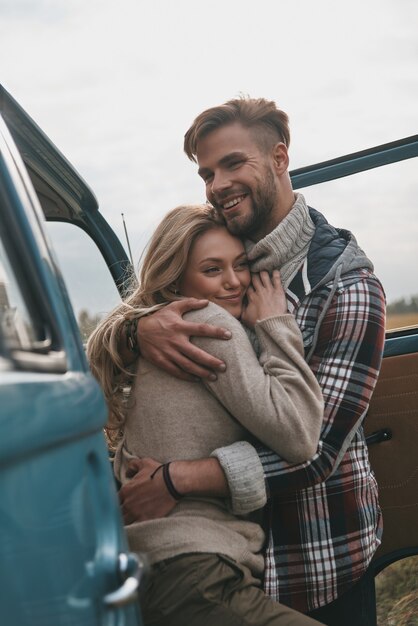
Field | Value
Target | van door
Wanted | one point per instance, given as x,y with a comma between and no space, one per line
63,554
383,218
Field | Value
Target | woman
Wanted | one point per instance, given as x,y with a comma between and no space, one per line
201,549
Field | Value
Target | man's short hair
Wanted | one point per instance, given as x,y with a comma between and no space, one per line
271,124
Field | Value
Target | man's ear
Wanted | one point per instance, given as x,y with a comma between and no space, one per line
280,158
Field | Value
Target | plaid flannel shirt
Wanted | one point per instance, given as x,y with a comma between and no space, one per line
323,517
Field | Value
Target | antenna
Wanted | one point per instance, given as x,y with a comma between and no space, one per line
127,238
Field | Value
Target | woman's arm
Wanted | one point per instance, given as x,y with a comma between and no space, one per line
346,362
275,397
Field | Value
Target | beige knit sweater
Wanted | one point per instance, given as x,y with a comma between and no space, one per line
275,397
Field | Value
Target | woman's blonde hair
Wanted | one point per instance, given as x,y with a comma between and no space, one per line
163,265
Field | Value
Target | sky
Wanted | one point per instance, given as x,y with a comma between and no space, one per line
115,85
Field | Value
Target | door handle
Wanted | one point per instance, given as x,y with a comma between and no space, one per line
380,435
131,569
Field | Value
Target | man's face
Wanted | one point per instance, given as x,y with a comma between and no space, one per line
240,180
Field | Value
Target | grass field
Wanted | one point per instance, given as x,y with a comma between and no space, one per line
397,594
400,320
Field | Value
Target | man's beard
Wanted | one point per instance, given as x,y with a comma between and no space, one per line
264,200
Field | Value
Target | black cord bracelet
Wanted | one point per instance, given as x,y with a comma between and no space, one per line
169,483
156,470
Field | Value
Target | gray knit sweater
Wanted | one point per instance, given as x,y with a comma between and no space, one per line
275,398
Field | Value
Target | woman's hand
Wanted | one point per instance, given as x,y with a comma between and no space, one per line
266,297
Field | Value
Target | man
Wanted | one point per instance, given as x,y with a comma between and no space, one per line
323,520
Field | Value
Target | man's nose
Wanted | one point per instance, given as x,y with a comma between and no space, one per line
220,182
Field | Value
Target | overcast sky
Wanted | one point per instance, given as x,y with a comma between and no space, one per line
116,84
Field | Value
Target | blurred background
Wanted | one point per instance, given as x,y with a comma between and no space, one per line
115,85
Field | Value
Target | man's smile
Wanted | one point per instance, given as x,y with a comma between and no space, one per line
233,202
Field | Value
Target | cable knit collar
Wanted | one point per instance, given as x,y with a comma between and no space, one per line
286,246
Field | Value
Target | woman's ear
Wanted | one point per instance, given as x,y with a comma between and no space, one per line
280,158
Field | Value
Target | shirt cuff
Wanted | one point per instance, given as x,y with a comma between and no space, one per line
245,475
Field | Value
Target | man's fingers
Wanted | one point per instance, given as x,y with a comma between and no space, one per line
125,514
195,369
174,370
135,464
165,341
133,468
189,304
198,357
206,330
121,495
189,362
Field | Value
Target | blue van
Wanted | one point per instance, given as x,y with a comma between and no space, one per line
63,553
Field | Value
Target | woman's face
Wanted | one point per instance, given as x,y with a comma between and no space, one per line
217,270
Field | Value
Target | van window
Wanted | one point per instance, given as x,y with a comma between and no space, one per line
90,285
17,327
382,215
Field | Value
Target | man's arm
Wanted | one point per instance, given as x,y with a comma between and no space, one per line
144,498
164,339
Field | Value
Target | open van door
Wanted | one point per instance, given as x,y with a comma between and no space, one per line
391,425
63,553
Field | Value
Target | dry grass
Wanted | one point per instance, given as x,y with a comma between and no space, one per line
400,320
397,594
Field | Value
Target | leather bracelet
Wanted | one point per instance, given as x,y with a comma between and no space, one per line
131,334
169,483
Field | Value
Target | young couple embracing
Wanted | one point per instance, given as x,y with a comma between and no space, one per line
251,348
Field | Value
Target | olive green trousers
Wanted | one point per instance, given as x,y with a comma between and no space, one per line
211,590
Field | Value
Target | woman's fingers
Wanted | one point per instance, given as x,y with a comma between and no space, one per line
265,279
255,282
261,280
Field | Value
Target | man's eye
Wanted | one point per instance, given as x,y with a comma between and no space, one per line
207,178
235,164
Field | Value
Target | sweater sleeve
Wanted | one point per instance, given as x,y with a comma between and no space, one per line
346,362
276,397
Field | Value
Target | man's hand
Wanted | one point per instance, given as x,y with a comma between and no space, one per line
164,339
144,498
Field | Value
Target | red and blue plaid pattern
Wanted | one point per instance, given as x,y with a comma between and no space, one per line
324,521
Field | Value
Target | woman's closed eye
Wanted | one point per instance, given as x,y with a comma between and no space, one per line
211,270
